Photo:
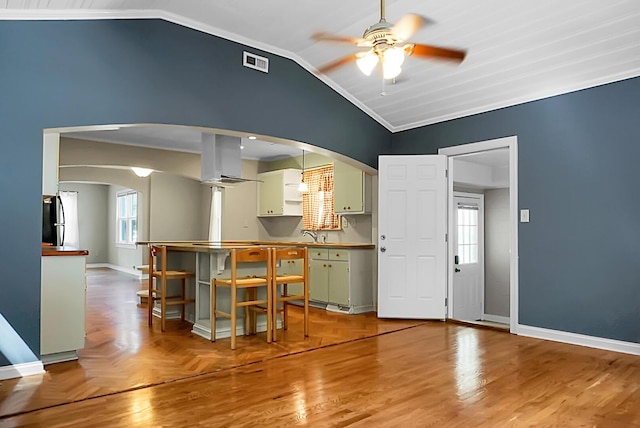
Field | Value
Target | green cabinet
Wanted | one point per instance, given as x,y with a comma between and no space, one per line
329,279
351,191
339,282
278,193
318,280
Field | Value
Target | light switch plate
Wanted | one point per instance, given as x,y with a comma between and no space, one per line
524,216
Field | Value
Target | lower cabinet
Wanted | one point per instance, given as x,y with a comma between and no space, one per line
341,278
62,317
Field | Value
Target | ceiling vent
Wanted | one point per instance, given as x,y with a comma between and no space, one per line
256,62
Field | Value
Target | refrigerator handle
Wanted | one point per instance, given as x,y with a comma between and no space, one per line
64,220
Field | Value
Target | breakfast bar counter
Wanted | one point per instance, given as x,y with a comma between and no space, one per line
340,276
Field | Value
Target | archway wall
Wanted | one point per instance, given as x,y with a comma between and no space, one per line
76,73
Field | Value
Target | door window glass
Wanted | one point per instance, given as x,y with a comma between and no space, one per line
467,235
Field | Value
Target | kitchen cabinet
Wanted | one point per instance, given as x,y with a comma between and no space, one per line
62,315
50,163
278,193
342,279
351,190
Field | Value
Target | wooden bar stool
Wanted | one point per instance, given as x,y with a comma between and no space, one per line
158,288
290,275
249,284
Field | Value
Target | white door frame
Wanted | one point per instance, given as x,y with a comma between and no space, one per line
452,250
510,143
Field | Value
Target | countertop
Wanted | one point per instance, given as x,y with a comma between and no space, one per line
231,244
63,251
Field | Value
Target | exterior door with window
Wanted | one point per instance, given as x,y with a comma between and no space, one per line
468,243
412,248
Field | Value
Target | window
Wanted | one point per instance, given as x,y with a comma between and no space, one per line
317,203
467,234
127,218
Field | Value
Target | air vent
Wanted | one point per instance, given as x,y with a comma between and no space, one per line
256,62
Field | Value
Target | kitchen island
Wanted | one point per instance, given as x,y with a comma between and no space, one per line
340,277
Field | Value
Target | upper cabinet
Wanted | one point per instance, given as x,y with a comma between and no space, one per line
50,163
351,191
278,193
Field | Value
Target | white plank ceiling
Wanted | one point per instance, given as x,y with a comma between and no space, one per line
518,50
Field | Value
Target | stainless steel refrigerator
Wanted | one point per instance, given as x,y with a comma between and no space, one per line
52,221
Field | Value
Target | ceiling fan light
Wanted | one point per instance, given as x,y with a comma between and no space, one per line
367,63
394,56
390,71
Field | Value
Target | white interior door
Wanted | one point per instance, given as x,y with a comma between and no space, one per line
468,249
412,248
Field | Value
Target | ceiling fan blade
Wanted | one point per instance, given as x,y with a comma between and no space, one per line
427,51
337,63
407,26
334,38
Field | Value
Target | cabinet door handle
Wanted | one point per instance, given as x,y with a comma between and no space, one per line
329,265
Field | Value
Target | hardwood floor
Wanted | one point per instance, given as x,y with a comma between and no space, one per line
352,371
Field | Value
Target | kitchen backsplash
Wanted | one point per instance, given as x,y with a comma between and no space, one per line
356,229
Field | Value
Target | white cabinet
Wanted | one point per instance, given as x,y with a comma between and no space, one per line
342,279
50,163
62,315
278,193
351,191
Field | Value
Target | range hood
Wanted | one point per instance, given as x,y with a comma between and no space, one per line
221,159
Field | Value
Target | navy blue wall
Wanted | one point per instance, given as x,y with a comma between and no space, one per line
579,171
71,73
578,153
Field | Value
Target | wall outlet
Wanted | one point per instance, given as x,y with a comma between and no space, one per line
524,216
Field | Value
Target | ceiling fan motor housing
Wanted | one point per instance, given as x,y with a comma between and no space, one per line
380,33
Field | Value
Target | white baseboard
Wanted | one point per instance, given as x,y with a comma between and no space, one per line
496,318
580,339
21,370
59,357
131,271
361,309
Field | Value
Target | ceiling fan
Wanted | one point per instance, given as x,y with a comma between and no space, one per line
388,46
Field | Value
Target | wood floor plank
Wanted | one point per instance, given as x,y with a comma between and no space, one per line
123,353
422,374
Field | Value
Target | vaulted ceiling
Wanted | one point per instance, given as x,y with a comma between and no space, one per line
517,51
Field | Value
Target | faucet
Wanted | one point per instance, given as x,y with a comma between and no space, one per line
313,235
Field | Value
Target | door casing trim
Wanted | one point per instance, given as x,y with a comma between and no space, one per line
510,143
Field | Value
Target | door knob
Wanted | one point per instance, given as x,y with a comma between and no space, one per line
456,270
383,249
